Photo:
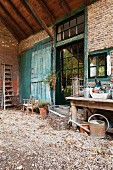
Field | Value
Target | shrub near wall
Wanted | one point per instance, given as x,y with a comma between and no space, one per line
9,53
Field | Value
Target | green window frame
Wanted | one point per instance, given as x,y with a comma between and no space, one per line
97,65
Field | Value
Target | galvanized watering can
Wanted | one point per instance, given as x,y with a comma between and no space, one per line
98,127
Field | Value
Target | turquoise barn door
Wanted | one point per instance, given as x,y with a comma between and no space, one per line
25,75
40,68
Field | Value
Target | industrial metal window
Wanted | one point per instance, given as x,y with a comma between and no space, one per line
98,65
70,28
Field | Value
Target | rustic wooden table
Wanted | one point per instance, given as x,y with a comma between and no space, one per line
105,104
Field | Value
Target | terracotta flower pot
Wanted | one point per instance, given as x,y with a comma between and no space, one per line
85,125
43,111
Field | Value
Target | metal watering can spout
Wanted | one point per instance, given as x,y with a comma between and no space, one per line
78,124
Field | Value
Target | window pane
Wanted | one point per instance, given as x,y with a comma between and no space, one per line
67,63
75,73
80,28
58,37
66,25
92,66
75,62
60,28
92,61
80,19
67,53
73,22
69,74
81,73
101,60
66,34
67,91
81,65
72,31
64,63
101,71
92,71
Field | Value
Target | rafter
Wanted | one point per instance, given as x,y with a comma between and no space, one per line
29,11
86,2
12,20
41,22
21,17
44,6
65,7
9,28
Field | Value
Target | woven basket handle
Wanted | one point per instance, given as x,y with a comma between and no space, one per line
101,116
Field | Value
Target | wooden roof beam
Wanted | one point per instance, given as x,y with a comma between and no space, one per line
21,17
12,20
29,10
43,5
9,28
41,22
64,5
86,2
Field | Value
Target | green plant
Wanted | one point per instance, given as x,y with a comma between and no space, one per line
51,79
43,104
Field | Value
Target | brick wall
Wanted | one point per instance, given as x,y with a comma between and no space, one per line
30,41
100,25
8,54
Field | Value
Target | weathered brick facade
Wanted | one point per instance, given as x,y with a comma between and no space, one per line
100,33
100,25
8,54
30,41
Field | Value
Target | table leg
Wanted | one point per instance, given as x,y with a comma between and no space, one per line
74,113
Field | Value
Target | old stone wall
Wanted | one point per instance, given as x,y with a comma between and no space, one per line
100,25
8,54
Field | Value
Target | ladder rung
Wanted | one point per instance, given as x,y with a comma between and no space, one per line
7,90
9,95
8,104
8,77
8,100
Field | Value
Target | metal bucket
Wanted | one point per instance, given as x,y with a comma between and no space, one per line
98,127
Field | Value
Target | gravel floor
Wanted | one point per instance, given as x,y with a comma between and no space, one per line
29,142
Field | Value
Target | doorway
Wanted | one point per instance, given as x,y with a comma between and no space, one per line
70,64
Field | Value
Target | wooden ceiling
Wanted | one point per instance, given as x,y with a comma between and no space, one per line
26,17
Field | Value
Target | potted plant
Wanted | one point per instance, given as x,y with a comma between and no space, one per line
43,107
51,79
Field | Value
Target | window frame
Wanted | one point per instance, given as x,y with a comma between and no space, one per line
97,65
62,32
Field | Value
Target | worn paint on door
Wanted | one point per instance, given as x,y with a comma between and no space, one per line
40,68
25,75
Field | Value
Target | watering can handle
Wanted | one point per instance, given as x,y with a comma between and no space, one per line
101,116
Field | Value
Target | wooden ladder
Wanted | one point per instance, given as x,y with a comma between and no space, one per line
7,89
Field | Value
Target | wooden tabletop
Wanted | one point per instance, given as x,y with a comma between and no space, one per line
105,104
